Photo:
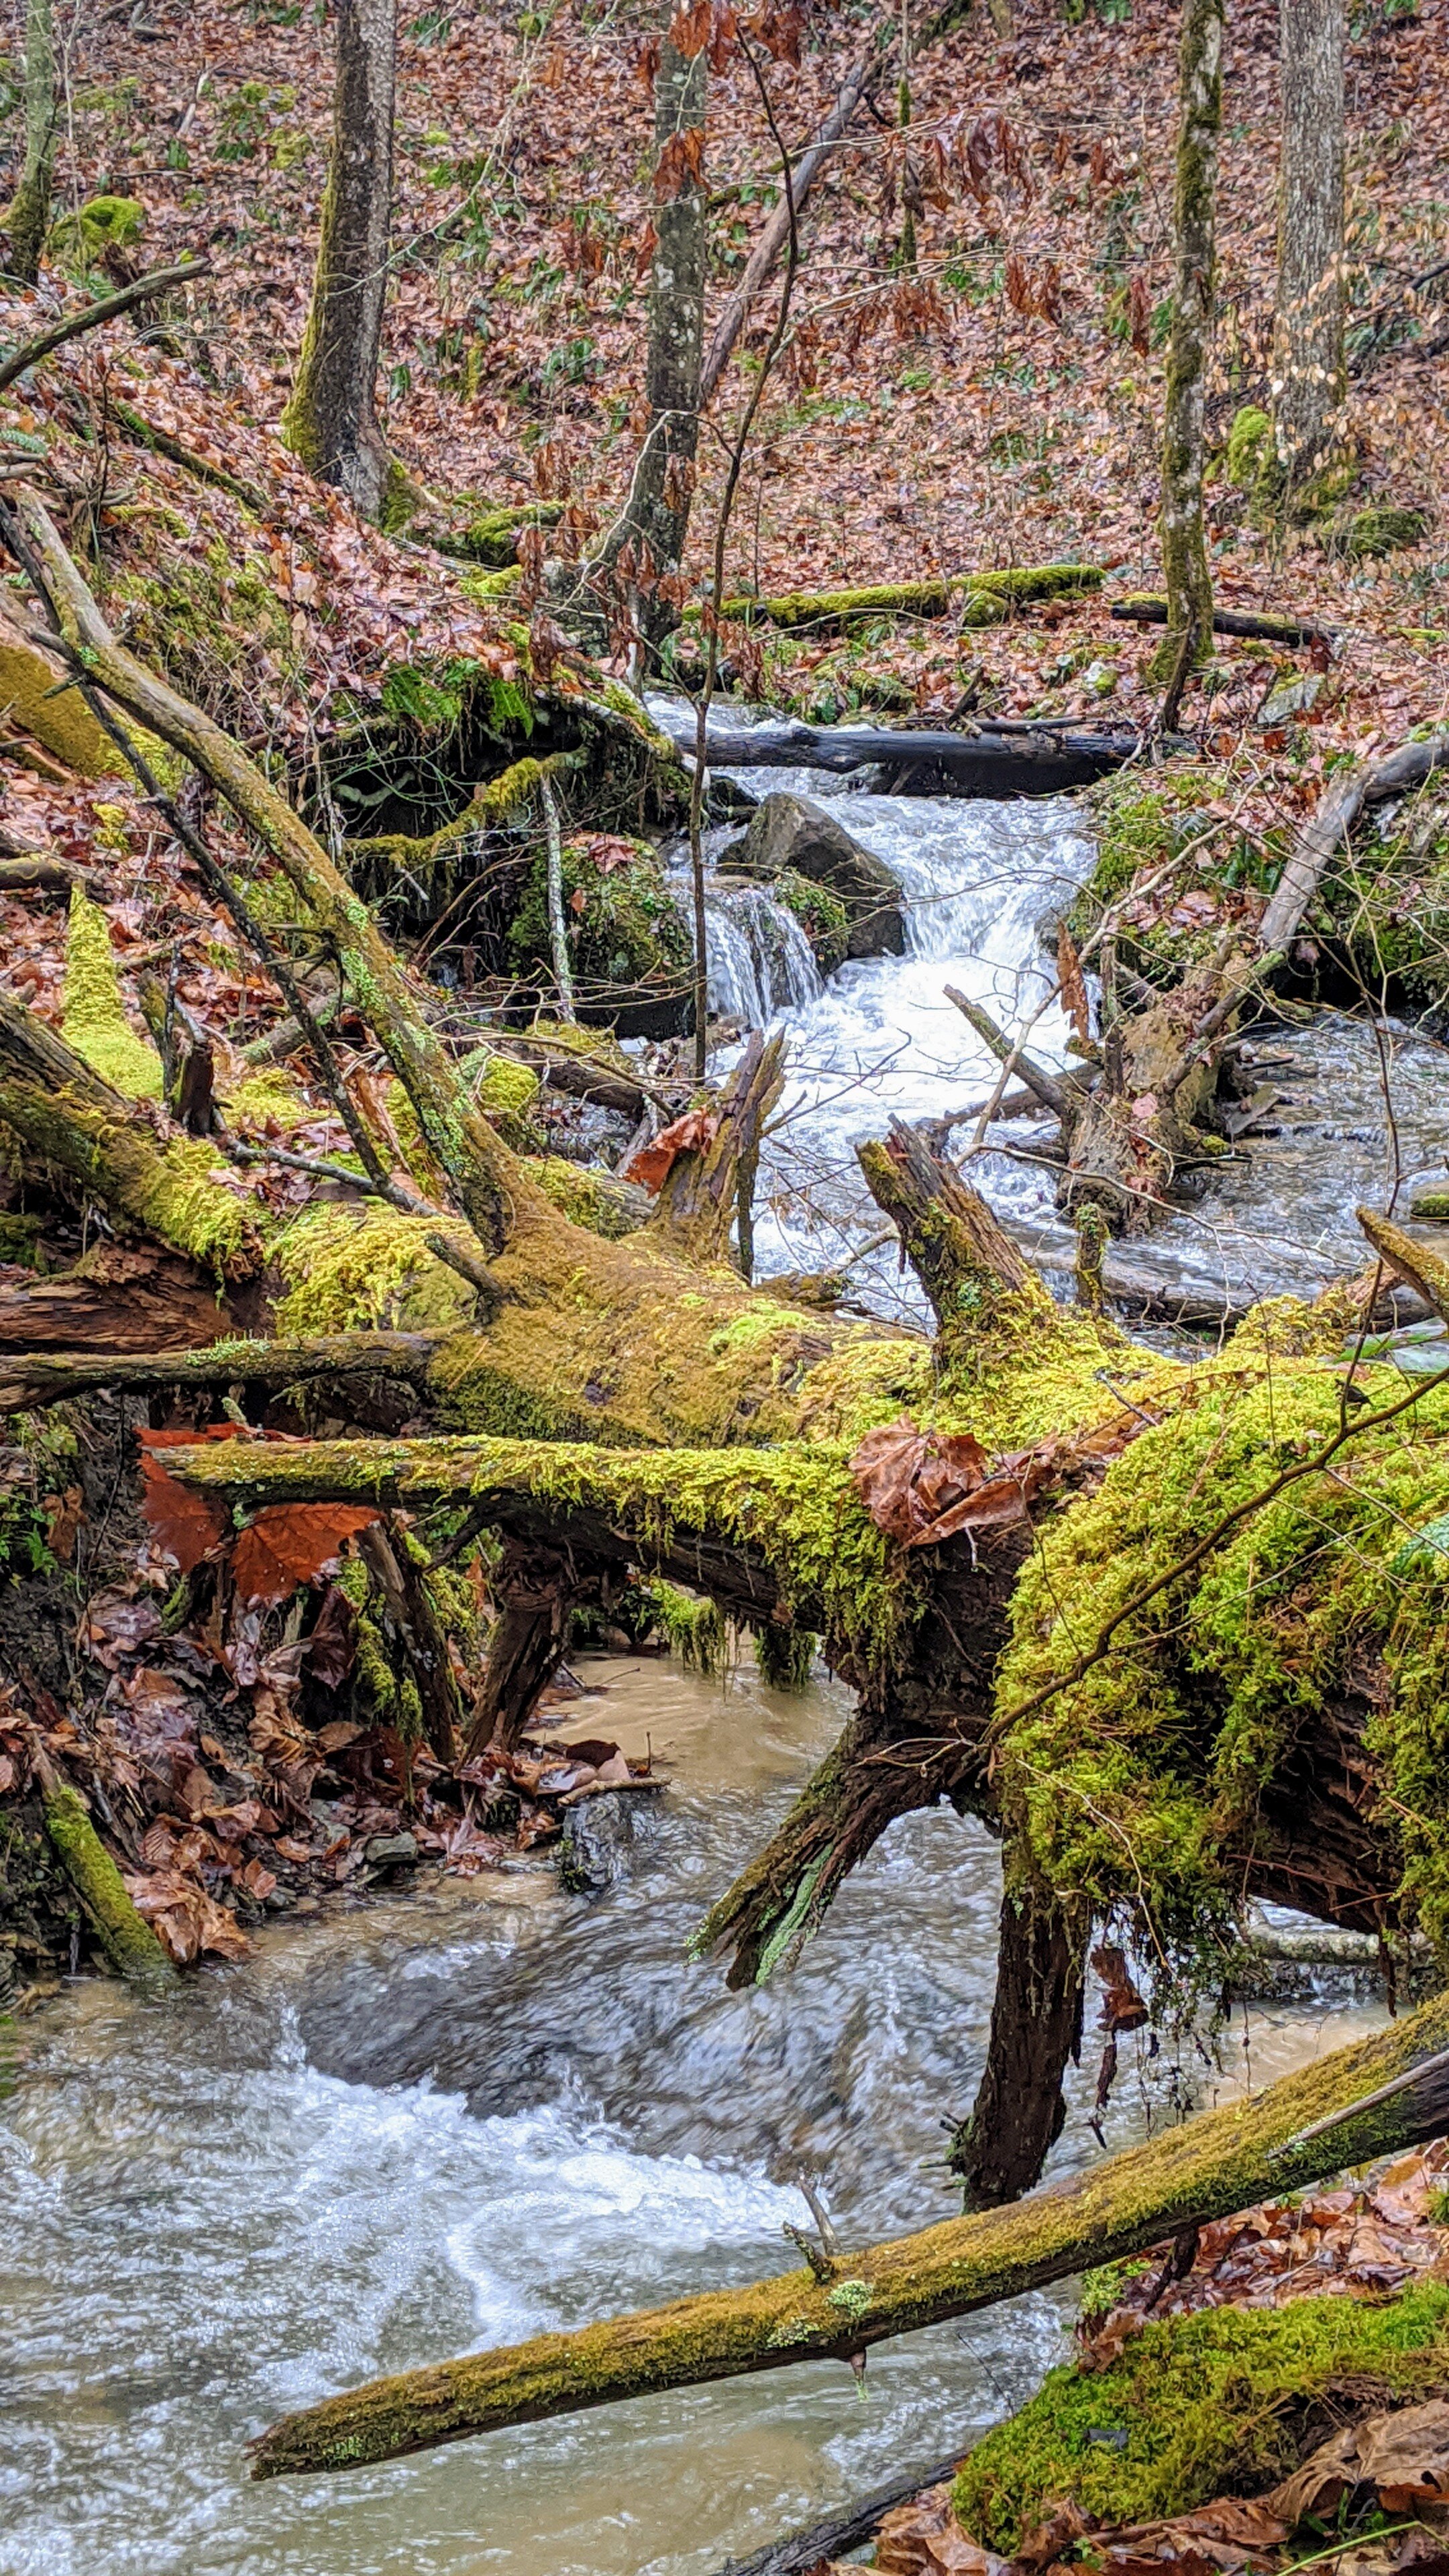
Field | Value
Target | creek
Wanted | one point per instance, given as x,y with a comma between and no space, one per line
880,1039
485,2109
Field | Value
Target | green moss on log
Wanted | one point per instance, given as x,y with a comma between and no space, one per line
1197,2407
986,597
350,1268
130,1945
95,1023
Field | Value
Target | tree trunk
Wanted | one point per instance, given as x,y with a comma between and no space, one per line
331,420
28,219
1036,2025
648,540
1210,2167
1184,544
1309,378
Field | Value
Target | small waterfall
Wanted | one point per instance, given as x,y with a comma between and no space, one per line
760,960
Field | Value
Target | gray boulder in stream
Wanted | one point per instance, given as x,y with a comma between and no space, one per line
789,834
598,1836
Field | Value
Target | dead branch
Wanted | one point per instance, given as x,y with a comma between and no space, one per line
91,316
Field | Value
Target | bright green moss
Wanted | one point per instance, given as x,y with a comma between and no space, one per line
1249,439
94,1022
1210,2404
1139,1784
623,924
268,1100
692,1625
351,1268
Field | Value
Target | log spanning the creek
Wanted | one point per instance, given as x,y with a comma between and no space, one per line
1384,2094
996,762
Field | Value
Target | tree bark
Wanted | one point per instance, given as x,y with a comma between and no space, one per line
1036,2025
648,539
533,1592
28,219
1309,377
1210,2167
1184,544
331,419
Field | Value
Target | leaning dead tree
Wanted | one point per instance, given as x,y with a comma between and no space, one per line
1150,1622
331,419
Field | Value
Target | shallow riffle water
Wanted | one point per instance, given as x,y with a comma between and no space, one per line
473,2113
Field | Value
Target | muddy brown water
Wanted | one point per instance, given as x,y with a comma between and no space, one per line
482,2110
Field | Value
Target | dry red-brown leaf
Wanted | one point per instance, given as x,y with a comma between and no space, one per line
1122,2006
185,1526
680,165
924,2538
184,1918
290,1544
1074,990
921,1487
691,1134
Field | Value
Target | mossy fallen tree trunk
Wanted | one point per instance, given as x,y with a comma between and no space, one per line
1208,2168
983,598
129,1944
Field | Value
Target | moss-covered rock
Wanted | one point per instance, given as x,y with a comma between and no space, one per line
79,240
1380,530
1223,2402
623,925
1249,439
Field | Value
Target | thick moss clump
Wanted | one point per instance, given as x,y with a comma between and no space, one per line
130,1945
1218,2403
623,925
353,1268
1140,1783
95,1023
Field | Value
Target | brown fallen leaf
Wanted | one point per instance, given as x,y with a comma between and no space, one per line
922,1487
290,1544
691,1134
924,2538
184,1918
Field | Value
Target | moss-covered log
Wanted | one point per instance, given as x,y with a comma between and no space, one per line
1208,2168
33,1378
984,598
129,1944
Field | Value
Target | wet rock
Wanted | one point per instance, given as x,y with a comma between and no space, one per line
788,834
1295,698
385,1852
598,1837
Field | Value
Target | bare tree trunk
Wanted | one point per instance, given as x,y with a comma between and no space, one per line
28,220
1184,547
1309,379
656,515
1036,2025
331,420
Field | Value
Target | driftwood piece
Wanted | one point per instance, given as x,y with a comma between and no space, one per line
1145,610
122,1297
1332,823
1382,2095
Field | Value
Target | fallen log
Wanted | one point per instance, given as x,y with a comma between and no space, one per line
1143,609
129,1944
1329,829
32,1378
977,764
1384,2094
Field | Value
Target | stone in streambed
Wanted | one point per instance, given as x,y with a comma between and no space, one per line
789,834
597,1838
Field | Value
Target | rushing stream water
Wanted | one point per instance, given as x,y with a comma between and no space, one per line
481,2111
488,2108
